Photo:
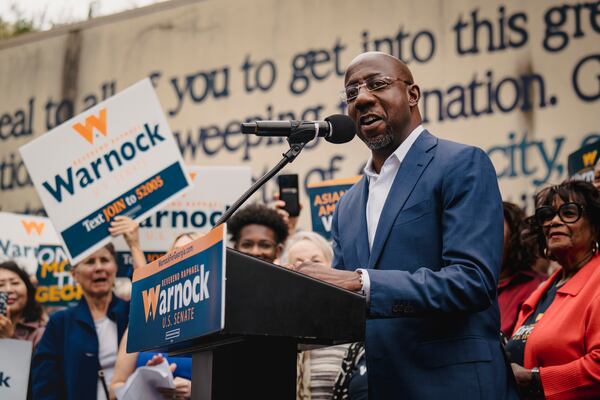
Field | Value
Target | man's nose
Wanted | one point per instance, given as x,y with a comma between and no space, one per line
255,250
364,99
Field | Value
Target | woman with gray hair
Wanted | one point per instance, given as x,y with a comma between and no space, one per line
317,369
307,246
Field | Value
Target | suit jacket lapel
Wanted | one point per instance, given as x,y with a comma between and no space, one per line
410,171
362,236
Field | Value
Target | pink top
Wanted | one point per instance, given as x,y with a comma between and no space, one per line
31,331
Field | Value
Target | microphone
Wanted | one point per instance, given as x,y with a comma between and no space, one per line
336,128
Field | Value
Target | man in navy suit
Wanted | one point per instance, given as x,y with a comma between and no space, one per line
421,236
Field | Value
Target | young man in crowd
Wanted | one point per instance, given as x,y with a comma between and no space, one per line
259,231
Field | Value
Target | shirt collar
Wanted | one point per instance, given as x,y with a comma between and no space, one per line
400,153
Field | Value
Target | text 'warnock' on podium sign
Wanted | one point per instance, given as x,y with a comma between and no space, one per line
180,296
118,157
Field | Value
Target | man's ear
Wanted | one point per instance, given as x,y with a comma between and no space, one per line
414,95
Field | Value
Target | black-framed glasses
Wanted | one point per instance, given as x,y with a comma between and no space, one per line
569,213
372,84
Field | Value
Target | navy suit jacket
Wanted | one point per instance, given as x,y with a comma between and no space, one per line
433,321
65,364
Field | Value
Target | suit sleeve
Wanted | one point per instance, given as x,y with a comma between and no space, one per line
579,378
46,371
472,238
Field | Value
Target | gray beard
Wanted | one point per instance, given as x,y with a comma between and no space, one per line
379,142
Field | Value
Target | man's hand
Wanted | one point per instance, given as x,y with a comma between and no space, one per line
349,280
291,222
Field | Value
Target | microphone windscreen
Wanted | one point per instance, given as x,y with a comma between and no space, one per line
343,128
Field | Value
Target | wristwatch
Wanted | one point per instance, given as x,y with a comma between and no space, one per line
536,383
362,283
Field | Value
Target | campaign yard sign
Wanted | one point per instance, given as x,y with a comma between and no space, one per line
118,157
20,237
15,363
212,191
324,197
583,162
56,286
180,296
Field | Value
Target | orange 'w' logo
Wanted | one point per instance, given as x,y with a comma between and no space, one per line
33,226
150,298
589,158
87,131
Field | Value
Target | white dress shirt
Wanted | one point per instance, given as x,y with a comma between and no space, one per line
379,188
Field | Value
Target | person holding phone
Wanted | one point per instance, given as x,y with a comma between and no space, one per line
287,201
21,316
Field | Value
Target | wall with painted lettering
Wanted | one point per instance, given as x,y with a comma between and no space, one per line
516,78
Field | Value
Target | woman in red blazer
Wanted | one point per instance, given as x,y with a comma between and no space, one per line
555,347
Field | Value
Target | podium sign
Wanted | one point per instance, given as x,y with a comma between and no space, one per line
180,296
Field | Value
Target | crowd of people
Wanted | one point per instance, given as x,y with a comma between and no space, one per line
550,268
544,301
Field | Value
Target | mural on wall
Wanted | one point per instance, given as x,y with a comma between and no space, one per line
518,79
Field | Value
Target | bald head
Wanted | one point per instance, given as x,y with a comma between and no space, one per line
383,101
377,56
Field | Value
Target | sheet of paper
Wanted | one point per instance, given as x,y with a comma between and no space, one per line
145,381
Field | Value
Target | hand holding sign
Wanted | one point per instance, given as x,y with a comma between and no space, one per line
122,225
116,158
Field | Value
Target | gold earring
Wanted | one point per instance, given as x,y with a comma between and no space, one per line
546,252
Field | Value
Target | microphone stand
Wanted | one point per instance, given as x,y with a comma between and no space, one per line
288,157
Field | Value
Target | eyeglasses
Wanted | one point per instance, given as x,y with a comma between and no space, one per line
372,84
569,213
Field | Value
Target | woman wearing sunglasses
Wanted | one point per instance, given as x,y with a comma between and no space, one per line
555,347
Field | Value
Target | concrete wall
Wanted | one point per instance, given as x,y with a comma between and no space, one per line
518,79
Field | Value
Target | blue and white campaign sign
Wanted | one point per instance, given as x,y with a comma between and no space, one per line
180,296
20,237
324,197
118,157
56,285
585,162
213,190
14,368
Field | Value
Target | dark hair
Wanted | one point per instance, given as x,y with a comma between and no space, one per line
33,310
258,214
521,253
581,192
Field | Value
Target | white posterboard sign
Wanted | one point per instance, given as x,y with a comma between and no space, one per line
117,158
14,368
20,237
213,191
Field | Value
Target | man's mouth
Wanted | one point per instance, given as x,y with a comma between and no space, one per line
100,280
369,119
